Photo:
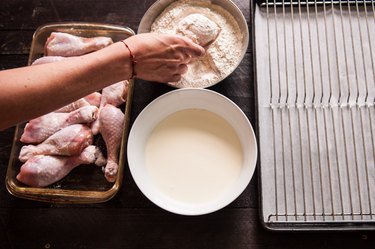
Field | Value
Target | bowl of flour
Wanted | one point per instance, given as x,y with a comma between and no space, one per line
223,32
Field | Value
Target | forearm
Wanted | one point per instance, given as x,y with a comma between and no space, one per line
29,92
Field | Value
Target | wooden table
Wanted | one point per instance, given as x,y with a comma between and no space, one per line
130,220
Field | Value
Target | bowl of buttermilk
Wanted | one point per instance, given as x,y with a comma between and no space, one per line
192,151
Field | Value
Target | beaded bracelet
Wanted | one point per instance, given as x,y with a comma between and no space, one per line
132,59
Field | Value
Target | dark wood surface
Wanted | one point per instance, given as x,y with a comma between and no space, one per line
129,220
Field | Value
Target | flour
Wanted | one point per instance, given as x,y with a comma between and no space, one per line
222,56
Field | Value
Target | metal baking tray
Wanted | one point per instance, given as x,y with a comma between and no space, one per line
315,90
86,183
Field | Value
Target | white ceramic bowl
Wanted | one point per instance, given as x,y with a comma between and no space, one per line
168,104
159,6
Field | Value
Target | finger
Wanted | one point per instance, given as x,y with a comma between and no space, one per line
195,50
179,54
192,48
175,78
182,57
187,59
182,69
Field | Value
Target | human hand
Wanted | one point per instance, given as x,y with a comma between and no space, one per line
162,58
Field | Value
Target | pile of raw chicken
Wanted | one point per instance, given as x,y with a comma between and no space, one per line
62,140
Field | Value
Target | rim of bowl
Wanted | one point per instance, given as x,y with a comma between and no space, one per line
204,208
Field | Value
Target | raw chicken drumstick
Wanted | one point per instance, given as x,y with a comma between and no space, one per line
43,170
91,99
63,44
67,142
74,105
94,98
115,95
39,129
111,124
199,29
48,59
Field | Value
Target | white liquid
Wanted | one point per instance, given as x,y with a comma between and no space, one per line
194,156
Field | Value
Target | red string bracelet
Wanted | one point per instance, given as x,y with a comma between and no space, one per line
132,59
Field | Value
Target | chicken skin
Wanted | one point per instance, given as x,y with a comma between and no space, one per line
91,99
67,142
48,59
111,122
114,95
39,129
43,170
63,44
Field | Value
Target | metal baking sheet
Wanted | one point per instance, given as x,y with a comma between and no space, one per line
316,116
85,184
